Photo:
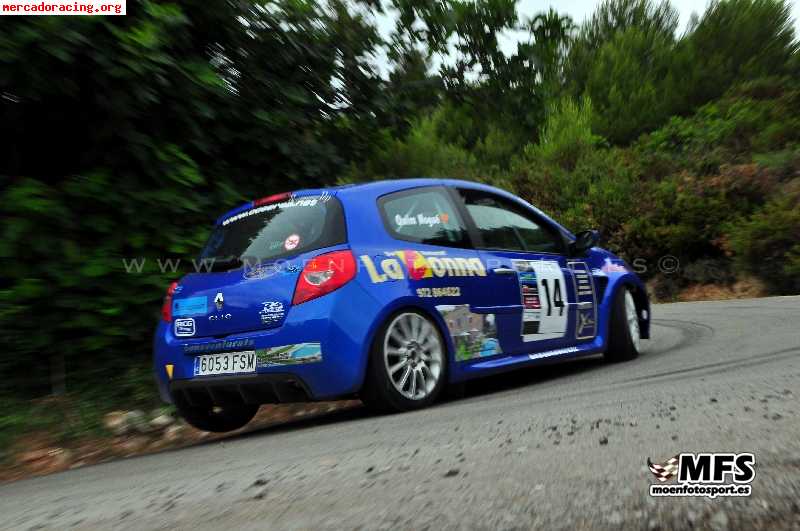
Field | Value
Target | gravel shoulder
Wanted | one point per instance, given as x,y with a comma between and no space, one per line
561,446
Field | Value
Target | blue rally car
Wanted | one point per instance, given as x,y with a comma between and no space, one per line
389,292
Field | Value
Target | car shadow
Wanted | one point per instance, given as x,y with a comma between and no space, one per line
474,389
530,376
348,413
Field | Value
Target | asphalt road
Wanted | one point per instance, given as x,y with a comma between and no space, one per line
563,446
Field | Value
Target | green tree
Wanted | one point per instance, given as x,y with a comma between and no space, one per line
566,135
737,40
421,153
551,35
629,85
500,90
125,137
656,20
411,90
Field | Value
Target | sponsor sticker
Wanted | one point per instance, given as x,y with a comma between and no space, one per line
611,267
214,346
190,306
551,353
291,242
184,327
294,354
291,203
474,335
417,265
271,312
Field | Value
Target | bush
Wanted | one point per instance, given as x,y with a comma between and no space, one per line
595,194
767,243
67,291
422,153
755,117
566,135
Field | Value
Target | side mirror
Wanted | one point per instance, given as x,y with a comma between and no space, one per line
584,241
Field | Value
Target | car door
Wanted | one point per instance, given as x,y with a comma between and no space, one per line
532,285
431,255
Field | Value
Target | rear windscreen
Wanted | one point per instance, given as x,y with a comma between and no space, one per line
278,230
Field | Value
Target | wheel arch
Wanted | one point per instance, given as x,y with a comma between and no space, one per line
398,308
640,298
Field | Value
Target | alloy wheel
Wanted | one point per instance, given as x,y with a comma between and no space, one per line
633,320
412,353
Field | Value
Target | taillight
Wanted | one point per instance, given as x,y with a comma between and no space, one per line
166,309
323,274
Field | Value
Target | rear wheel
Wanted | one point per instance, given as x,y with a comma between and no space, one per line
408,364
624,337
215,418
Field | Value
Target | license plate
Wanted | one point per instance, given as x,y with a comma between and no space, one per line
225,363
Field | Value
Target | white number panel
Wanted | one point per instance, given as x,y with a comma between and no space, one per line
543,293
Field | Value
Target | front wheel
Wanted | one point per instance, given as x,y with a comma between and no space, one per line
624,337
408,364
215,418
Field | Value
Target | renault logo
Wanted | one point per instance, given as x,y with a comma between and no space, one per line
219,301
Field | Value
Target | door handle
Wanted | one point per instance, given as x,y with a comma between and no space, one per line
503,271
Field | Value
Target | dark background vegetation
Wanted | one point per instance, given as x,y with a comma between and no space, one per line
125,137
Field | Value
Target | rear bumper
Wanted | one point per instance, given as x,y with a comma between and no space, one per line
334,322
250,389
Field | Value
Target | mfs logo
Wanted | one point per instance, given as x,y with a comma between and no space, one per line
704,474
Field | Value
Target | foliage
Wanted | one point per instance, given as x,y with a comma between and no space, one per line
126,137
551,34
566,135
593,194
506,90
705,185
656,22
411,91
627,59
767,243
739,40
422,153
756,117
629,84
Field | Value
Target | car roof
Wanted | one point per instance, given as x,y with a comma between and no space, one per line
352,190
374,189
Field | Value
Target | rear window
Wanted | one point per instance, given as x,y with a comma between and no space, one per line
278,230
424,215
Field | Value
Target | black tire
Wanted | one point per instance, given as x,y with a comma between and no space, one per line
215,419
379,392
621,346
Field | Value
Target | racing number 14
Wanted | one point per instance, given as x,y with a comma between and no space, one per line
556,301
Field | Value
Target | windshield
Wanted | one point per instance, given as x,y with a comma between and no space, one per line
278,230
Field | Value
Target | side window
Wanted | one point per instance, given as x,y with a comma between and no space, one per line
423,215
503,225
